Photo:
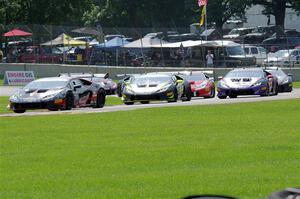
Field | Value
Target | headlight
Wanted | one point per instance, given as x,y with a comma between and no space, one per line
222,84
164,88
286,80
14,97
129,90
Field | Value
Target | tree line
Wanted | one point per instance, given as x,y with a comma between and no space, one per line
133,13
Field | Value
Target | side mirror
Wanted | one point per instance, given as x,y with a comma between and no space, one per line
106,76
290,74
220,77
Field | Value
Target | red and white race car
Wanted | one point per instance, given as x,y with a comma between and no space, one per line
201,84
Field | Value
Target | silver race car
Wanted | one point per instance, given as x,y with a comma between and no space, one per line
151,87
108,84
285,81
56,93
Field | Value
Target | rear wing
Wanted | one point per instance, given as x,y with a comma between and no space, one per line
84,75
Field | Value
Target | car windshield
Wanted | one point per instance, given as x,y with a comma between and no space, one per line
259,30
234,32
195,77
235,50
282,53
244,73
151,79
46,84
277,72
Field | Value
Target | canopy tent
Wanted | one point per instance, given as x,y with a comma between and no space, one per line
87,31
146,42
190,43
17,33
112,44
64,40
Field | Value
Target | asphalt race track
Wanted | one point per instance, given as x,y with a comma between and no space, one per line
195,101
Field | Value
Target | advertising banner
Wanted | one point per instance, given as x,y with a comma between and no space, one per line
18,77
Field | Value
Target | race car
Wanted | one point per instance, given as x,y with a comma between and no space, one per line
109,85
201,85
56,93
121,82
285,81
250,81
150,87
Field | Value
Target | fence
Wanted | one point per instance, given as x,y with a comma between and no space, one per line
42,47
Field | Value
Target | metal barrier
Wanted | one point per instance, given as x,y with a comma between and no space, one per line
48,70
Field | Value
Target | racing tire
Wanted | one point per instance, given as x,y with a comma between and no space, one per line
212,94
20,111
119,90
69,100
232,95
289,89
222,97
145,102
100,99
187,94
276,89
175,94
129,103
53,109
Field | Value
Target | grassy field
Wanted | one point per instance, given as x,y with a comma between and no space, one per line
110,101
3,105
296,84
247,150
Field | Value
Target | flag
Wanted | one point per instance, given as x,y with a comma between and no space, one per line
203,15
202,3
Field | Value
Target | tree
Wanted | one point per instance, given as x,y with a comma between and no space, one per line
55,12
278,8
142,13
219,11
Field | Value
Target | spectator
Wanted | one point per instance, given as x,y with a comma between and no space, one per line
209,59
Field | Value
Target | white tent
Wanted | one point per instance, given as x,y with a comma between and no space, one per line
190,43
145,42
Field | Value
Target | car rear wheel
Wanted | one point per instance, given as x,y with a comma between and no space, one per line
187,93
275,89
100,100
233,95
212,93
53,109
222,97
20,111
69,101
129,103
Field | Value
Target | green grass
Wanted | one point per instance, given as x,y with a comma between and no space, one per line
247,150
110,101
3,105
296,84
